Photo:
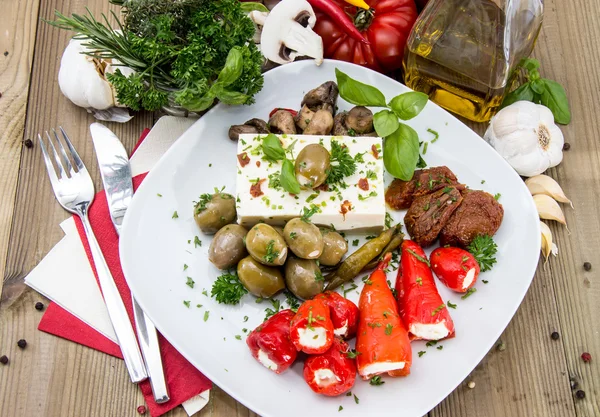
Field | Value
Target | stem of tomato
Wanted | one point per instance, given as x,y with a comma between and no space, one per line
364,18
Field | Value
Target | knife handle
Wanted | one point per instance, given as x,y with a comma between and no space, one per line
116,309
148,338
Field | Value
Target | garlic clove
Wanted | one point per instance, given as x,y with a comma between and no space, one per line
548,208
543,184
548,247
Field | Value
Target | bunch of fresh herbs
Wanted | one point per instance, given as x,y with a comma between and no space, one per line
186,53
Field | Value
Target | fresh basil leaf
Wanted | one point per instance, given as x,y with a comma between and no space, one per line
358,93
401,152
530,64
201,103
271,147
538,86
233,67
555,98
385,123
250,6
288,178
233,98
408,105
523,93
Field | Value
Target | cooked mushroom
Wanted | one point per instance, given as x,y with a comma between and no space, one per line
323,97
360,119
339,124
287,33
304,117
258,18
251,126
282,122
320,124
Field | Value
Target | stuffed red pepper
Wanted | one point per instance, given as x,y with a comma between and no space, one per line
420,305
382,343
311,328
344,314
270,343
331,373
455,267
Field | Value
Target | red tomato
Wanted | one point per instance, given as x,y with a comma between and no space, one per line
453,266
386,29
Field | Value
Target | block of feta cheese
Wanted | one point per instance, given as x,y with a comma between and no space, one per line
357,203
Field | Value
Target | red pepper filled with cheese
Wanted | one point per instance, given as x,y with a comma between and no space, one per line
344,314
420,305
455,267
270,343
331,373
311,328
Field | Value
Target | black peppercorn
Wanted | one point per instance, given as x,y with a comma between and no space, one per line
39,306
566,146
587,266
580,394
554,335
22,343
5,53
3,359
28,143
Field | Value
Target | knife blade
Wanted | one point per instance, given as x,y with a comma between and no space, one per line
118,186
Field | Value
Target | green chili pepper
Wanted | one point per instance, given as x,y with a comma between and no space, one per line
355,263
391,247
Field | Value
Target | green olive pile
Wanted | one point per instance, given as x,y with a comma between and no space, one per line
267,258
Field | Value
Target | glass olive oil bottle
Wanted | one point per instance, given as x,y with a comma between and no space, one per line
463,53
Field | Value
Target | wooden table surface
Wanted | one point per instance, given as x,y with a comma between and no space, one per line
532,376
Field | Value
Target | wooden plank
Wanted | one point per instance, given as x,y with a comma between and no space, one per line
18,21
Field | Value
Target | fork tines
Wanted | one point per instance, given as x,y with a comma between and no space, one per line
63,165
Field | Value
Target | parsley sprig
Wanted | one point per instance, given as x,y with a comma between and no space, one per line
341,164
484,249
228,289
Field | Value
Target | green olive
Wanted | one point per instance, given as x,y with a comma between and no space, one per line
303,238
312,165
303,277
259,280
266,245
278,229
334,247
227,247
213,212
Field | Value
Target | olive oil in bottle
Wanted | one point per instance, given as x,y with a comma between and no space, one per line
463,53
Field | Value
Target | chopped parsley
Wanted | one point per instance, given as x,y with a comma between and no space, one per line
355,242
497,196
388,329
483,181
228,289
446,190
275,182
421,353
186,303
159,194
292,235
438,309
307,213
291,300
352,288
340,408
190,282
425,145
319,276
245,319
272,311
440,347
419,281
341,164
374,324
468,293
175,215
371,175
356,400
352,354
367,280
271,253
197,242
202,202
376,380
238,337
185,267
388,220
483,248
451,305
419,257
198,305
485,281
435,134
204,292
311,197
431,343
206,314
367,196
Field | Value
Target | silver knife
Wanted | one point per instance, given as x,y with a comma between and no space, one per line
116,177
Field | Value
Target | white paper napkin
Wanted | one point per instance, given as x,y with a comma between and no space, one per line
65,275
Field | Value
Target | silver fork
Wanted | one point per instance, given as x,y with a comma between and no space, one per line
74,190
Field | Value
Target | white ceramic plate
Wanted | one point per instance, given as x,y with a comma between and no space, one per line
154,248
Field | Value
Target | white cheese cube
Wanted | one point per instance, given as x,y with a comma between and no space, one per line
346,206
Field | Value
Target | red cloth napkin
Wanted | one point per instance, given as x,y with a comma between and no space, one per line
184,381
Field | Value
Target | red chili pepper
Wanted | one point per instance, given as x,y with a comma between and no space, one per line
331,373
276,109
455,267
311,327
270,342
336,13
382,343
344,314
420,305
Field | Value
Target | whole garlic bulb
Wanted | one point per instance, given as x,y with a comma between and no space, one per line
525,135
82,80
